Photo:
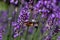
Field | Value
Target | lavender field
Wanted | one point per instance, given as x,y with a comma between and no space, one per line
29,19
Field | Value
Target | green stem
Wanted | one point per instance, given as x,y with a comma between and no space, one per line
26,33
18,38
34,34
9,32
9,35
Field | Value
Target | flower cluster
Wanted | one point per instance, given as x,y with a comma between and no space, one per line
48,10
3,23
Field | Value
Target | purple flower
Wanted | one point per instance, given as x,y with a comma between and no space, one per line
24,14
4,16
15,2
47,38
30,31
58,38
11,1
16,35
1,36
14,23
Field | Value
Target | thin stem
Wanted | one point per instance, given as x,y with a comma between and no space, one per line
34,34
9,33
26,33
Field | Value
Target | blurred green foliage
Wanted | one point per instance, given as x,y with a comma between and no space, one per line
3,6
